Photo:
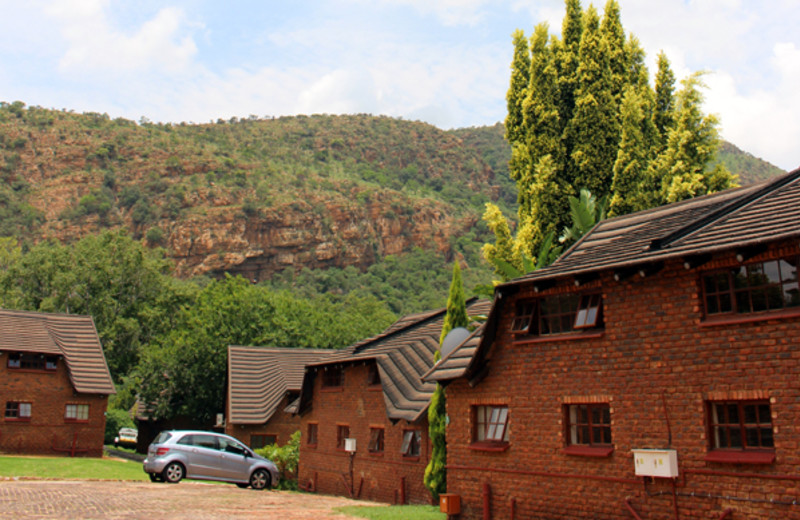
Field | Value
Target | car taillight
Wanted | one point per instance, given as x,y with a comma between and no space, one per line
161,451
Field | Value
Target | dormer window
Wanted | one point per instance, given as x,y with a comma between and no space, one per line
26,361
758,287
558,314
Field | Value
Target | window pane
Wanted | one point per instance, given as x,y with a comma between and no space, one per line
709,283
764,416
581,318
583,414
491,432
788,271
791,294
772,272
733,413
725,302
759,300
749,413
25,409
766,438
743,302
735,438
739,276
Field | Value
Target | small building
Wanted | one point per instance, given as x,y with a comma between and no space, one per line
652,371
54,384
263,390
372,394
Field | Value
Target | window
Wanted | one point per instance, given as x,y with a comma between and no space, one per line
76,412
376,440
558,314
491,424
373,375
764,286
332,377
588,311
524,316
311,434
18,411
26,361
342,433
259,441
741,425
412,439
588,424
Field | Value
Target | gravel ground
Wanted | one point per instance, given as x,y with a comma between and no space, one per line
86,499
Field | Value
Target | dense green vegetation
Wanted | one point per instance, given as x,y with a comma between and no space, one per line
165,339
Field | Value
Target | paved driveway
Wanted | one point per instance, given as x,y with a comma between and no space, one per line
40,499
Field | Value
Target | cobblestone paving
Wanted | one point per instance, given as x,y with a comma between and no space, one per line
46,499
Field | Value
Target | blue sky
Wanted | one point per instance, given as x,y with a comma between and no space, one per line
445,62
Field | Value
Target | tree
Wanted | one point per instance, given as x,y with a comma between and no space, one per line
125,287
591,120
456,316
691,146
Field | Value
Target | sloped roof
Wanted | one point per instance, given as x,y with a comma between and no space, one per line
403,353
72,336
259,377
734,219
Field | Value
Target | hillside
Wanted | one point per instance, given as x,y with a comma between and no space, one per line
262,196
244,196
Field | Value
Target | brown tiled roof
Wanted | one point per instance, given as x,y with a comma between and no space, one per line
735,218
72,336
403,353
455,364
259,377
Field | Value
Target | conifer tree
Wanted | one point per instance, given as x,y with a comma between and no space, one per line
435,477
594,128
515,98
567,60
691,146
665,104
633,156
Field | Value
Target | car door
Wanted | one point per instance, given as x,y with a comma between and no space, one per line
203,458
235,462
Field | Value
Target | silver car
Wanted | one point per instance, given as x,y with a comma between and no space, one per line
178,454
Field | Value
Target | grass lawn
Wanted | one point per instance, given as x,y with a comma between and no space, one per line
394,512
77,468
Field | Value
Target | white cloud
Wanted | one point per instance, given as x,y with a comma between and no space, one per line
95,44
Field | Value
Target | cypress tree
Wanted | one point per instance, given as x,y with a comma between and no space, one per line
567,59
692,144
517,92
611,31
456,316
632,157
594,128
665,102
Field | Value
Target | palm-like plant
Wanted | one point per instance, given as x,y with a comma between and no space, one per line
585,212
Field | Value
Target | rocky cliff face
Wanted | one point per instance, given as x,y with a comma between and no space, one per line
250,198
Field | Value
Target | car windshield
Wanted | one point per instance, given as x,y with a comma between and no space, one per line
162,438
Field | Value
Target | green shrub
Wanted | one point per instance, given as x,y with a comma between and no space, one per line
286,458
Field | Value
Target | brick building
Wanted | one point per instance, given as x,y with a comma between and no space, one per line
54,384
263,390
373,392
663,342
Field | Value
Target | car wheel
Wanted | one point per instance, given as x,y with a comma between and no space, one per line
259,479
173,473
242,485
154,477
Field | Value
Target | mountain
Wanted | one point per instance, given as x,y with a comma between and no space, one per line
247,196
261,196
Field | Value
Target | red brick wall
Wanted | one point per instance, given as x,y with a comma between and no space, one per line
281,424
361,407
48,393
655,342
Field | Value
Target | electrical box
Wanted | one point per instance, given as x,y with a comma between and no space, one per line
350,445
656,463
450,503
